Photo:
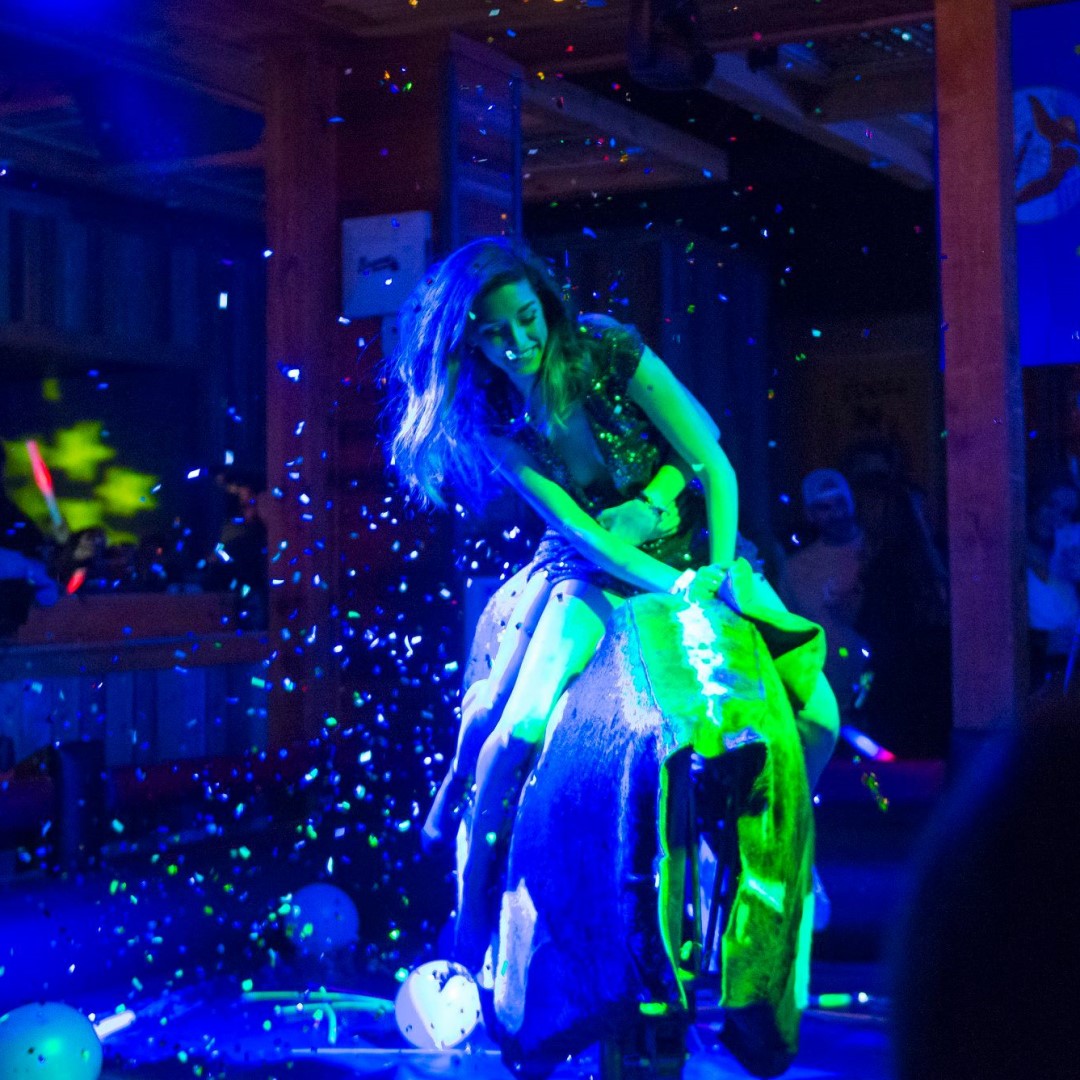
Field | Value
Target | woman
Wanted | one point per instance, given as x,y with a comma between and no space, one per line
496,379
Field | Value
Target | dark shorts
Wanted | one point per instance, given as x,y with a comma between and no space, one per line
561,561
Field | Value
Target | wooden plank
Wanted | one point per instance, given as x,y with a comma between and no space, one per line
25,662
70,351
119,719
983,404
877,143
68,44
578,109
11,714
70,167
144,726
180,699
125,618
246,702
5,263
250,158
38,726
184,296
302,306
483,144
887,93
26,104
579,178
72,269
215,711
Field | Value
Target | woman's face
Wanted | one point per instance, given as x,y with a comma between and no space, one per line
509,329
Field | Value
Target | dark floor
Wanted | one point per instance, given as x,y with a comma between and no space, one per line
224,1038
172,930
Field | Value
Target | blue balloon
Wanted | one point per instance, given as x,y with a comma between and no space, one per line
48,1041
321,918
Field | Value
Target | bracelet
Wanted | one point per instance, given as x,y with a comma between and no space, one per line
655,507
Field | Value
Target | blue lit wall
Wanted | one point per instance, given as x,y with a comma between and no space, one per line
1046,108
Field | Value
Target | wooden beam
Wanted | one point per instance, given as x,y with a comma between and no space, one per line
545,48
188,192
576,108
983,403
884,93
98,50
883,146
252,157
571,181
29,104
301,305
916,13
32,349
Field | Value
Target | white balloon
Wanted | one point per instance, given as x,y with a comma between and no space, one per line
438,1005
48,1041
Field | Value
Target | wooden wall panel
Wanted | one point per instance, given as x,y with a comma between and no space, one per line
983,401
141,716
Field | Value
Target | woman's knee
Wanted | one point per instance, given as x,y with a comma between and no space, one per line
478,705
817,737
819,718
479,718
818,724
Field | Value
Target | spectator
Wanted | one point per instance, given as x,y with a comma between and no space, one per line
905,609
822,580
1053,569
82,559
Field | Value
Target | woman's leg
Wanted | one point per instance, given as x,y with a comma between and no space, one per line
481,708
818,722
565,639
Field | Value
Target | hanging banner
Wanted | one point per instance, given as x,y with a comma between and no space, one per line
1046,115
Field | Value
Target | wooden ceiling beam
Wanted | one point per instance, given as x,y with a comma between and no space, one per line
118,55
29,104
880,145
589,114
545,185
55,164
251,158
877,95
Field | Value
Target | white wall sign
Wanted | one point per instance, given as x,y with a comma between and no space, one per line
383,258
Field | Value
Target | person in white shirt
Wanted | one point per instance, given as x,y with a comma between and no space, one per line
1053,570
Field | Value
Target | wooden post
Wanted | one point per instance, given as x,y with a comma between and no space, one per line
983,401
302,305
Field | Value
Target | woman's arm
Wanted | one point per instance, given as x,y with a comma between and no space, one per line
693,435
652,514
563,513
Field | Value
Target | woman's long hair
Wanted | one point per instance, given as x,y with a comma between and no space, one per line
444,397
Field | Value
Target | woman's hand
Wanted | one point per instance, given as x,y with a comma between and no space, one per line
701,585
636,522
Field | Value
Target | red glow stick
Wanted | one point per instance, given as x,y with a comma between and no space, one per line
44,481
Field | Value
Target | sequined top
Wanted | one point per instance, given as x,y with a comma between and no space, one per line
630,445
